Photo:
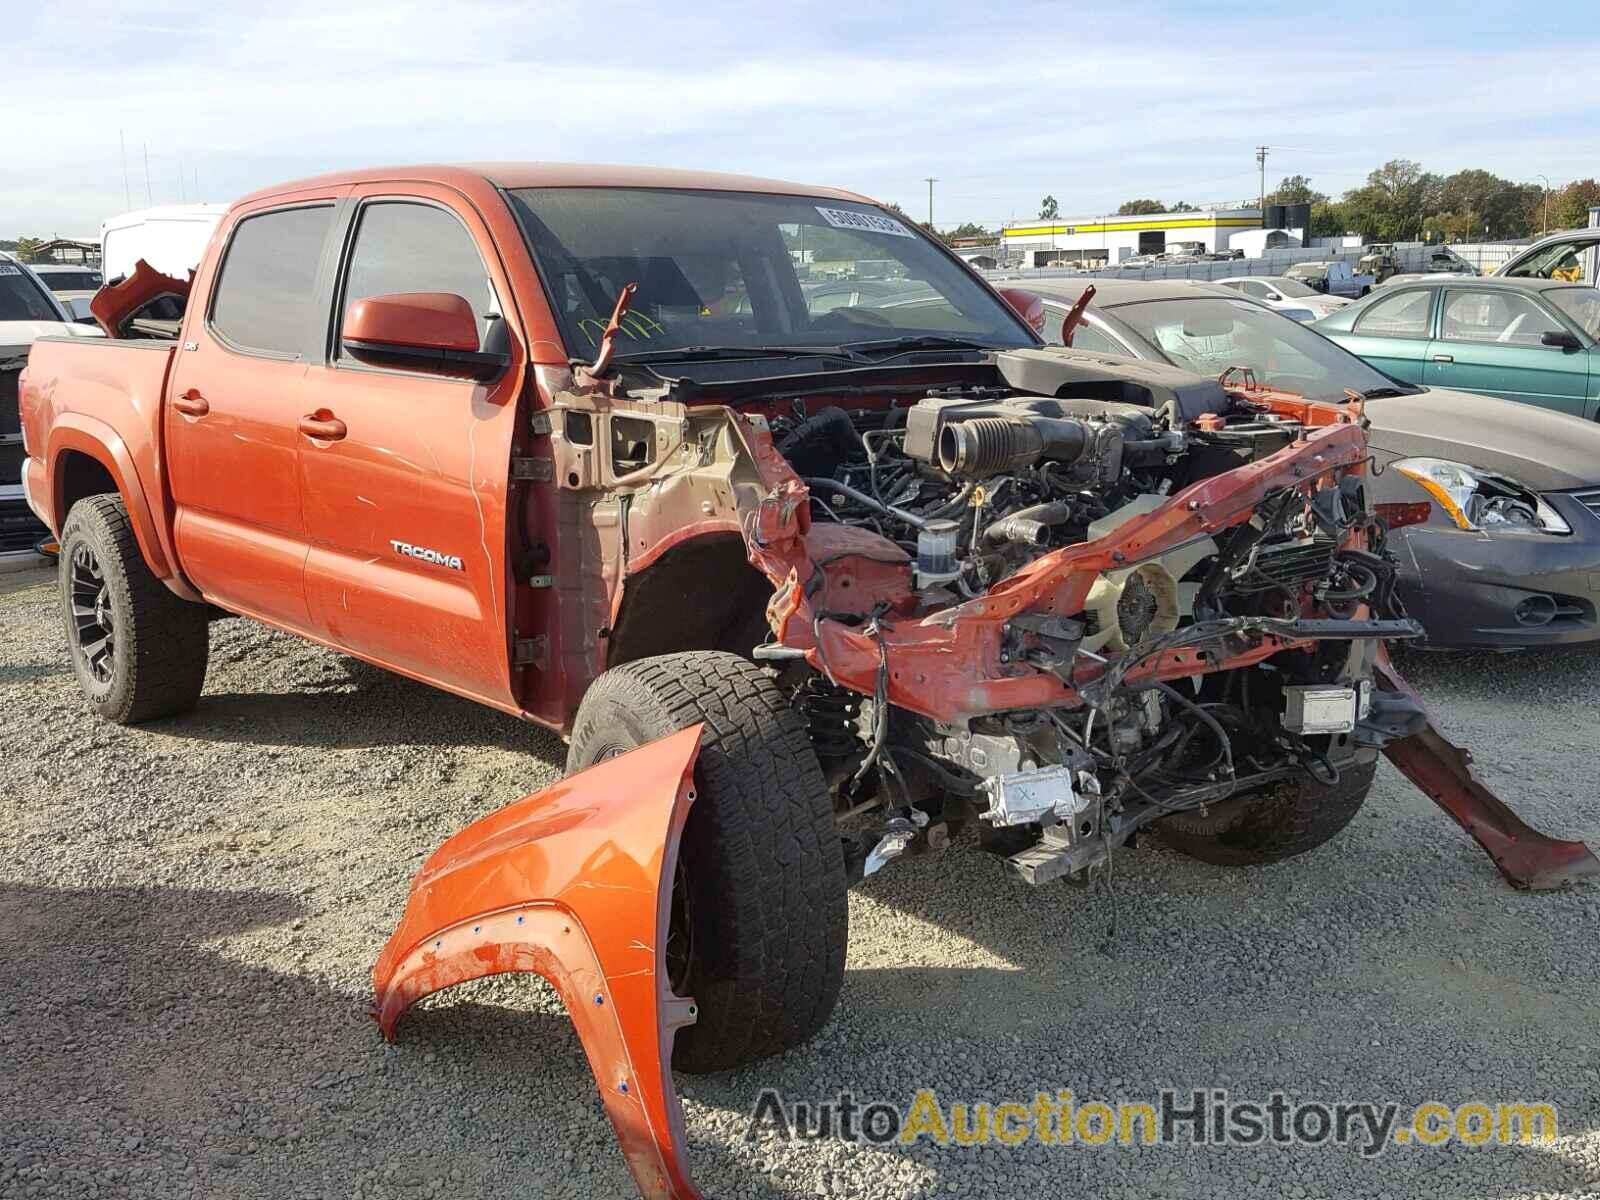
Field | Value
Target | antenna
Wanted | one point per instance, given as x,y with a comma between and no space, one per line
148,193
127,192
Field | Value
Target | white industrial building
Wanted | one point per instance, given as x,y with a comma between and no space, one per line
1104,241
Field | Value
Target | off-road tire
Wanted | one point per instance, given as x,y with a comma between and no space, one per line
160,642
1281,820
763,866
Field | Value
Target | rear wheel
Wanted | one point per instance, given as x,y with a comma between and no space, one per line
138,650
759,913
1281,820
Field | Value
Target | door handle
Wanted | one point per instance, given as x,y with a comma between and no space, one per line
322,425
1444,358
191,404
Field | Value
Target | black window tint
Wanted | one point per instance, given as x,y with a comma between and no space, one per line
416,248
264,295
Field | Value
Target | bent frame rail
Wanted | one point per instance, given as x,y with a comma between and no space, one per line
573,883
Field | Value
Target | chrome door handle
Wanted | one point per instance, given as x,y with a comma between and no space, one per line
1446,358
191,404
323,426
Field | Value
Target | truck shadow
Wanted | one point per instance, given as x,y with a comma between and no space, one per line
143,1054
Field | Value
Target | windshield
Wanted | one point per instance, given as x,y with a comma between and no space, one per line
749,271
1292,287
1563,260
1210,334
1582,304
21,299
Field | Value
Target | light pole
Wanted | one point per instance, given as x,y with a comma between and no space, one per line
1544,225
1261,161
930,181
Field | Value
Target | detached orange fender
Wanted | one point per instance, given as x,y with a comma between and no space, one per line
573,883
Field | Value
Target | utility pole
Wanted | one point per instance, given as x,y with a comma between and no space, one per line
931,181
1544,226
1261,161
149,193
127,192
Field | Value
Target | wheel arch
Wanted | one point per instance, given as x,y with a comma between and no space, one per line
86,457
700,593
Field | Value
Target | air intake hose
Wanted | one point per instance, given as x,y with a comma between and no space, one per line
1029,526
985,446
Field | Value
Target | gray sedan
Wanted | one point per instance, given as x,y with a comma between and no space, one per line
1509,556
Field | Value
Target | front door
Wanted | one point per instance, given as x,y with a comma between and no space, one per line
1392,333
1490,342
230,414
404,472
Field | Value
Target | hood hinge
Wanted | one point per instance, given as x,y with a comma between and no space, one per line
531,652
533,470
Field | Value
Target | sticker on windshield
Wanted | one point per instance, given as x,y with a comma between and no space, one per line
8,269
846,218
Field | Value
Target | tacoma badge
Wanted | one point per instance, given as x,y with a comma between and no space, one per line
444,560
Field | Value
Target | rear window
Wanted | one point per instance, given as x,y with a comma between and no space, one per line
71,281
262,301
21,299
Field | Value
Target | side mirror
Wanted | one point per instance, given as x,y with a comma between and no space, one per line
1027,306
1561,340
426,331
1274,296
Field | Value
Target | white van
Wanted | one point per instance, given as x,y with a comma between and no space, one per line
171,238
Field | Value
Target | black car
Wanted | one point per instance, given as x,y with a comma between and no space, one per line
1509,555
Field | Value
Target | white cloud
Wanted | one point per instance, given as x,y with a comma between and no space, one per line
252,95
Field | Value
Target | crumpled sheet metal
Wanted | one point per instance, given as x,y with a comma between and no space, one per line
573,883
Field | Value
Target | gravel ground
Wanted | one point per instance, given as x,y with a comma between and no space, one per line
192,909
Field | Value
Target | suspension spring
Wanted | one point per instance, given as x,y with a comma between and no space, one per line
831,713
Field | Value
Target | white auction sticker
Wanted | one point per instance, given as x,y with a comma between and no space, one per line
848,218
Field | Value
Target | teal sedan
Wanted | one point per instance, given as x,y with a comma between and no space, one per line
1532,340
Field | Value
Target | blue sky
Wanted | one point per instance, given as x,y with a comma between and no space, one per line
1003,103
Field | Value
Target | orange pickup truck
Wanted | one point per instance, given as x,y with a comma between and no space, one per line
761,484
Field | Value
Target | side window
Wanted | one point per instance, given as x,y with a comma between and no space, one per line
1087,337
266,286
1401,316
1501,317
406,247
1251,288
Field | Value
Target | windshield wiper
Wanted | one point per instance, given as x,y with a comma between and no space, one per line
913,342
725,353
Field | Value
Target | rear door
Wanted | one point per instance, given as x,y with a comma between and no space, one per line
1392,333
231,407
1489,341
406,510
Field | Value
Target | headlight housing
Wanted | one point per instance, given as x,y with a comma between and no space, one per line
1480,502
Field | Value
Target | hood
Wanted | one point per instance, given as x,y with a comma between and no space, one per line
1545,450
23,333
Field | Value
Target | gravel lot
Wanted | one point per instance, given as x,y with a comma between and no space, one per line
192,909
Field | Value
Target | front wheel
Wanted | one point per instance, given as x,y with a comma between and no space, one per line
138,650
759,919
1281,820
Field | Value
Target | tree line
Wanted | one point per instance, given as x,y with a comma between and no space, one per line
1400,202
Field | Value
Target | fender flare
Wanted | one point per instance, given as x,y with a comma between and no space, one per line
573,883
93,437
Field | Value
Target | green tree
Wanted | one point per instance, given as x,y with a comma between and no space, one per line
1569,206
1328,218
1049,210
967,229
1141,208
1395,203
1490,201
1184,206
1295,189
27,247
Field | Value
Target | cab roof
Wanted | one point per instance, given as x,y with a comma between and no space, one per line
549,174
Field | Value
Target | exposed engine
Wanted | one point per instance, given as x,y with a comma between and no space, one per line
969,486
